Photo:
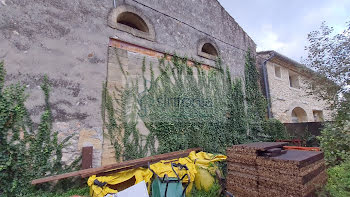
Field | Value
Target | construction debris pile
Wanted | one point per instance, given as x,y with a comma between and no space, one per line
265,169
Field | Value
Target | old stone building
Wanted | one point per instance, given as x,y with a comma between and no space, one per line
80,45
285,84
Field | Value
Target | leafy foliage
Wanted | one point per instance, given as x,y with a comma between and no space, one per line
120,119
329,57
335,137
256,103
338,181
274,130
25,154
185,107
310,139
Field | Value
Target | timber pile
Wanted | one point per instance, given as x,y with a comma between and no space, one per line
265,169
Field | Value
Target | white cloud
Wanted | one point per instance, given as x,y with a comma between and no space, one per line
270,40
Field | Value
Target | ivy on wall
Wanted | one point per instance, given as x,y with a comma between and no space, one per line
185,107
256,103
120,118
25,153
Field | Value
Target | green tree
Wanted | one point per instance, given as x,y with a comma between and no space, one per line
329,57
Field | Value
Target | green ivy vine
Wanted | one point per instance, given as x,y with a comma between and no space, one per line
185,107
25,153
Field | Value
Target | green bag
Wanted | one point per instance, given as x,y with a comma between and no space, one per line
169,186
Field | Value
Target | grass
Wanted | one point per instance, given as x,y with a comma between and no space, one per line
75,191
213,192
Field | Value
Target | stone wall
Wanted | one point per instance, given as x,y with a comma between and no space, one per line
181,25
69,42
285,98
177,27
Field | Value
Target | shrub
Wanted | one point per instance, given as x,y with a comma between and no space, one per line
335,137
274,130
335,142
339,181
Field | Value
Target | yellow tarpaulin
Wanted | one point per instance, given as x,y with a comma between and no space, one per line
140,174
197,164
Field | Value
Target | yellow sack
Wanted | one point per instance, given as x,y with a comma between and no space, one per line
206,167
204,180
140,174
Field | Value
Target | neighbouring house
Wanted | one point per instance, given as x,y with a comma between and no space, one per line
285,85
81,44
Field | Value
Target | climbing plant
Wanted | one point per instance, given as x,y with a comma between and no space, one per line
25,153
120,118
185,106
256,103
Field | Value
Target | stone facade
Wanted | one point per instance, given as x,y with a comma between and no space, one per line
75,44
288,90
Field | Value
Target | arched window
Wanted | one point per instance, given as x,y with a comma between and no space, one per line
131,20
208,49
299,115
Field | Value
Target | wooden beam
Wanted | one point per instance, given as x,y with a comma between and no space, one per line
143,163
117,166
113,168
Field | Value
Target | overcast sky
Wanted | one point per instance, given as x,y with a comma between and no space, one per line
283,25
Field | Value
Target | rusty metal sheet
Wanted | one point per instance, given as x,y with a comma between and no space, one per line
302,158
86,162
260,146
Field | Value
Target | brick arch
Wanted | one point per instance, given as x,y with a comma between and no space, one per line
131,20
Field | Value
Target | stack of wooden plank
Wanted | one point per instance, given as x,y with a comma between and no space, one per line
265,169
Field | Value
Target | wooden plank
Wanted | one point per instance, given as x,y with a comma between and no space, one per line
86,162
121,165
138,165
139,162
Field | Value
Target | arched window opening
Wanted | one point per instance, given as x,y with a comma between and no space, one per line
299,115
132,20
209,49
